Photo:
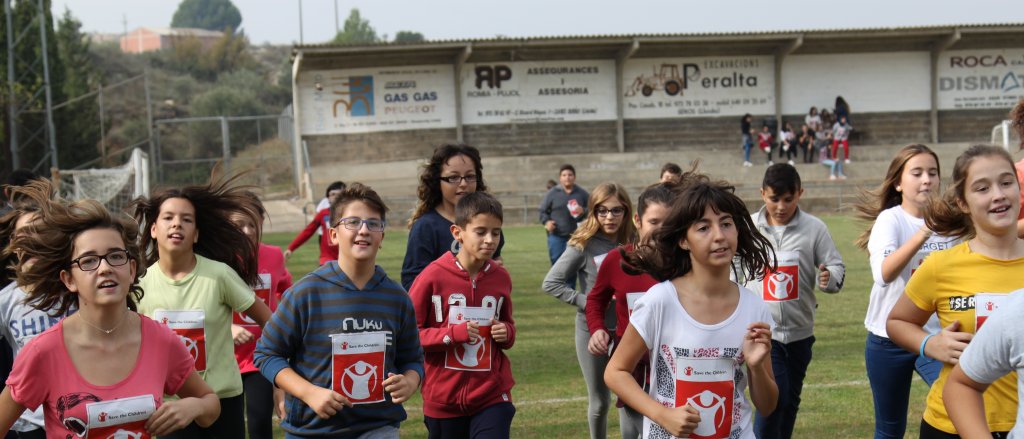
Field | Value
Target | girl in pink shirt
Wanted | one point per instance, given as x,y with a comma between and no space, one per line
104,370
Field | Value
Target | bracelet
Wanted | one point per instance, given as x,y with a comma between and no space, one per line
921,350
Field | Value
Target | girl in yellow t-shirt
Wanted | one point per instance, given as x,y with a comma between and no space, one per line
964,284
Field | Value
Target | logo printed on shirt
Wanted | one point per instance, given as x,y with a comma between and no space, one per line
707,385
474,355
357,366
122,418
191,329
987,304
783,284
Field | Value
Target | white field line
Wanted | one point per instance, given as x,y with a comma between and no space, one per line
558,401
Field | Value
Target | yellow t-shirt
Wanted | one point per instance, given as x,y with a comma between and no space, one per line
946,283
216,290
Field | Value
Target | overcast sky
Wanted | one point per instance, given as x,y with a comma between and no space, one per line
277,21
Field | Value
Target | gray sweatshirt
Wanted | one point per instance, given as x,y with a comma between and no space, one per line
807,237
584,264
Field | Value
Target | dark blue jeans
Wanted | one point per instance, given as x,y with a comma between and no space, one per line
890,371
789,364
494,422
556,246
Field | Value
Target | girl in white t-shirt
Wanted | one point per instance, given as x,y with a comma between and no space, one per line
897,243
699,326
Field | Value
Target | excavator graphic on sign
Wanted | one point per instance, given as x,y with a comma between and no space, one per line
667,78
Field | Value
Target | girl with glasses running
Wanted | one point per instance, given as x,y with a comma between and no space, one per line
202,266
106,358
607,225
452,172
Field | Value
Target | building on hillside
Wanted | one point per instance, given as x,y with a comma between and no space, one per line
104,38
648,93
148,39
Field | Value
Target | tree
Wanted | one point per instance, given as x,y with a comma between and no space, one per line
78,132
356,30
408,36
207,14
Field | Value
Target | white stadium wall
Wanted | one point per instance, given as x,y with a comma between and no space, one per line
870,82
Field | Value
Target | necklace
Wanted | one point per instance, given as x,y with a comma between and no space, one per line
107,331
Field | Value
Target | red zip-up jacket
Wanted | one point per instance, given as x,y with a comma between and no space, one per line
449,393
611,282
328,251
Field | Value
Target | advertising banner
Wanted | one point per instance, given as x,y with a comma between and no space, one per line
377,99
698,87
542,91
979,79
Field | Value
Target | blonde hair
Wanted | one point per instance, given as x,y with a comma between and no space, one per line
591,226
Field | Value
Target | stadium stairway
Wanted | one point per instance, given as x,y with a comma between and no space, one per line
519,182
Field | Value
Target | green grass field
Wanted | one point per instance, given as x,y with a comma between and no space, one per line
550,395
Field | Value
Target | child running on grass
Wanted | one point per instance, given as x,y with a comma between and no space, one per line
320,224
607,226
200,272
343,342
274,279
897,242
697,326
105,358
463,306
806,258
454,171
964,284
614,282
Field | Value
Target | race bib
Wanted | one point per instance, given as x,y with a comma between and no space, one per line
783,285
631,299
598,260
357,366
707,386
123,418
984,305
190,327
262,291
474,355
574,208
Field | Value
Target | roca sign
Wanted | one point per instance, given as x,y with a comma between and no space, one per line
980,79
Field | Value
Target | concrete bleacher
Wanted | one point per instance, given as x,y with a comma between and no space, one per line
519,182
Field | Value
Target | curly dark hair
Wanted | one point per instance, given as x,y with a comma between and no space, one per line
219,239
429,191
660,254
50,242
1017,121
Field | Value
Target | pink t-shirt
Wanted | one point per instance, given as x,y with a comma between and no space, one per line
44,374
274,279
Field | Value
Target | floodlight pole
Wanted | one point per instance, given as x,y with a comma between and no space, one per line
12,105
51,131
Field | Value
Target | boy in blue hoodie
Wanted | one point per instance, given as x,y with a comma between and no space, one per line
807,258
343,342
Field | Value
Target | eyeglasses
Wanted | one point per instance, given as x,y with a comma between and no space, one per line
455,179
356,223
115,258
615,211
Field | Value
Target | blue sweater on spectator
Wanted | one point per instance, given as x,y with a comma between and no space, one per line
430,237
298,334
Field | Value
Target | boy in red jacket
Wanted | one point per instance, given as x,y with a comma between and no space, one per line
464,311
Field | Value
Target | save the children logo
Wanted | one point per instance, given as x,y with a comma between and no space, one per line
122,418
707,386
262,291
474,354
358,367
783,284
190,326
986,305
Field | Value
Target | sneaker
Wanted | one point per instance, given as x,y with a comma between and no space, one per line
842,177
747,164
847,161
770,163
832,177
791,163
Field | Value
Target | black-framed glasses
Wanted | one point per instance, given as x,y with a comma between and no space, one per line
455,179
615,211
355,223
115,258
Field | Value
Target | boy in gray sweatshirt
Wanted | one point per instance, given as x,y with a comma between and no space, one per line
807,258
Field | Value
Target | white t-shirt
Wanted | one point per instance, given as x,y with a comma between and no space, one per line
998,349
892,228
680,347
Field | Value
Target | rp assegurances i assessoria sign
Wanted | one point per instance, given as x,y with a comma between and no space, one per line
376,99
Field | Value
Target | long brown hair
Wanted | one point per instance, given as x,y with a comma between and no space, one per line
660,254
429,191
219,239
50,242
885,196
592,225
944,216
20,205
1017,121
